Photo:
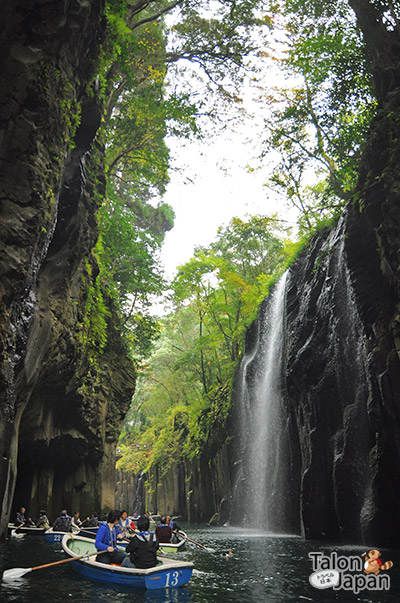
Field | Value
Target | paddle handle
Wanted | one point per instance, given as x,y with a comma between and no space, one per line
194,542
67,560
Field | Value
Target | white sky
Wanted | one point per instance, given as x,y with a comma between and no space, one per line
215,186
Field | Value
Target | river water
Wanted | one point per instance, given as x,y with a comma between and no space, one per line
263,569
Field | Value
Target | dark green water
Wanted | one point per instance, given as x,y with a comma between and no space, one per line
263,569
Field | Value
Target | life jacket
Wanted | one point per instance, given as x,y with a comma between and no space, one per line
62,524
20,518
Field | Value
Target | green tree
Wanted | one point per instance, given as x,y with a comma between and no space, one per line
184,392
141,50
318,124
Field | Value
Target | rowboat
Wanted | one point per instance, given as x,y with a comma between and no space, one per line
32,531
168,573
170,547
90,532
51,535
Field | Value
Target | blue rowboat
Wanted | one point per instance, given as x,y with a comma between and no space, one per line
169,573
51,535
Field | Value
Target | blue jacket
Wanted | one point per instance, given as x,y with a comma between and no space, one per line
106,537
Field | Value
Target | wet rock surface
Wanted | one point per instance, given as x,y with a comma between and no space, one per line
59,416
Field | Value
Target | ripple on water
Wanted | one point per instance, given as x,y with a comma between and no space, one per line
263,570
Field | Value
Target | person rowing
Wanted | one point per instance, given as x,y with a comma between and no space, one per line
106,540
63,523
163,531
142,548
174,529
124,525
20,517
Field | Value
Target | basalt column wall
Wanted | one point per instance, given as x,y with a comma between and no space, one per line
60,405
195,490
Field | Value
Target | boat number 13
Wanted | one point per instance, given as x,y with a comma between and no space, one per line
174,579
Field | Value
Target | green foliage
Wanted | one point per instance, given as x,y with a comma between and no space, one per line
139,112
183,398
319,122
92,330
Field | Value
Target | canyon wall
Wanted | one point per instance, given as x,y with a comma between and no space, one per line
341,386
194,490
62,398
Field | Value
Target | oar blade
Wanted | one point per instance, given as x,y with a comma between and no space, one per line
15,573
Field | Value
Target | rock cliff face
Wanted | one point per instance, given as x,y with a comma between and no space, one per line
339,437
340,403
195,490
60,400
343,377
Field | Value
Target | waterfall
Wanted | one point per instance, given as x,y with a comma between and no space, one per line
259,496
139,502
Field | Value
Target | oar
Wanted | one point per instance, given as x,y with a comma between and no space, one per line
18,572
84,531
198,544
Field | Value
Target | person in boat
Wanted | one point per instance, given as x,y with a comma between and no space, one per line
22,520
63,523
106,540
29,523
76,520
174,529
43,521
163,531
143,547
124,525
20,517
91,522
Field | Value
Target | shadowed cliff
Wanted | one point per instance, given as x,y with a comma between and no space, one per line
62,397
340,427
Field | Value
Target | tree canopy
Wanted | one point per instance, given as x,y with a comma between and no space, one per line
145,44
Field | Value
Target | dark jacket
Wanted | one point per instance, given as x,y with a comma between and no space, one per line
163,532
93,522
19,519
62,524
142,549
